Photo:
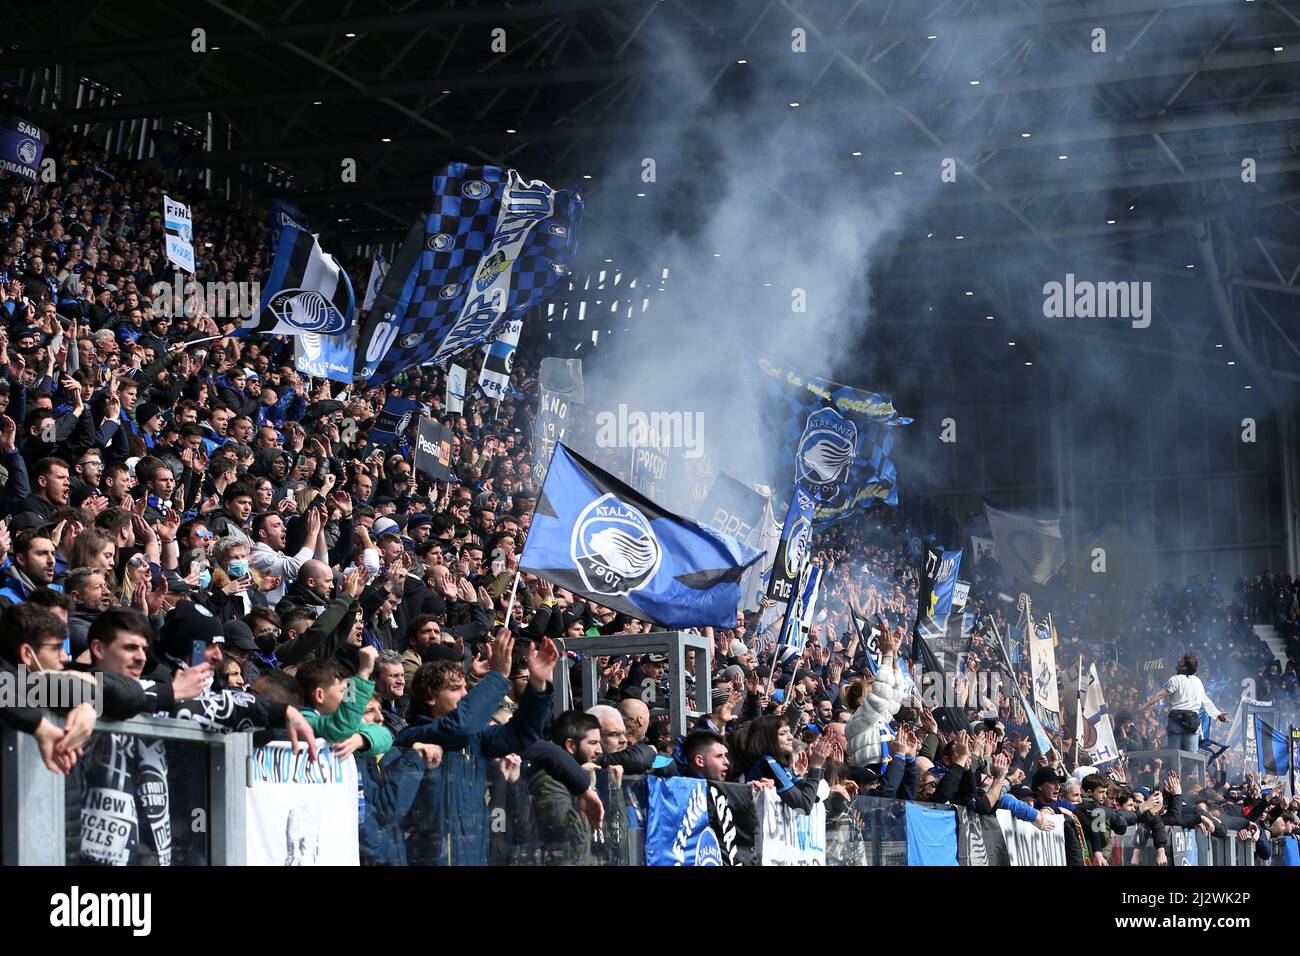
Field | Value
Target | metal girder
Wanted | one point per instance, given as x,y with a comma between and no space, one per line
645,66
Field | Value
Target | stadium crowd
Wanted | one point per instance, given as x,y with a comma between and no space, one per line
201,532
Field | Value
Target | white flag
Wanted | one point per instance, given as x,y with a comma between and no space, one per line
378,269
1028,548
455,390
1098,736
179,235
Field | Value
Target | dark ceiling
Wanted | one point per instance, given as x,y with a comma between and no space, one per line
1154,143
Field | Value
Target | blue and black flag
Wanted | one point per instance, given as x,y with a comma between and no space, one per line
794,548
1272,748
306,291
595,536
836,439
493,246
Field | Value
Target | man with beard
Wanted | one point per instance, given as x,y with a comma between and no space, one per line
33,567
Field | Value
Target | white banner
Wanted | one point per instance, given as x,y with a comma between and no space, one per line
787,837
1028,548
494,379
1030,846
300,813
1042,657
983,548
179,235
1098,737
456,378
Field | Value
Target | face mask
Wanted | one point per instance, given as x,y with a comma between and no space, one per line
205,578
237,569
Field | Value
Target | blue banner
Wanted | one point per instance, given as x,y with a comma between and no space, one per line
677,831
835,439
324,356
931,836
595,536
393,420
1290,852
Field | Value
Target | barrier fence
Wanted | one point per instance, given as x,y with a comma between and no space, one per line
150,792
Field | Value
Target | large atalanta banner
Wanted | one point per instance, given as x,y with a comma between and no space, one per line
835,439
493,246
22,144
597,537
695,822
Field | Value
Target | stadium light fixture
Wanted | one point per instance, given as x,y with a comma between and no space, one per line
794,105
1063,156
742,62
933,36
1029,363
349,35
1026,135
1110,222
1218,345
974,82
1011,343
959,237
316,102
1232,363
989,318
640,195
1276,49
586,175
969,292
512,131
386,139
898,172
1191,265
857,152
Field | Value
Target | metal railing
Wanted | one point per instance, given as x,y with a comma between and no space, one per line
153,791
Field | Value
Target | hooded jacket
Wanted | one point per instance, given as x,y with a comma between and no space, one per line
868,729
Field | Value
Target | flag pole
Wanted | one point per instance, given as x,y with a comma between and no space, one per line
510,608
1291,757
1078,711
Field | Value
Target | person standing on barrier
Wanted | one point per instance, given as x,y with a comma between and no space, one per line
1187,697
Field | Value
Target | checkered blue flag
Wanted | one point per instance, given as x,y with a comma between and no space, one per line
492,247
837,439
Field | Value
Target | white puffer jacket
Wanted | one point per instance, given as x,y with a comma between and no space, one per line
868,729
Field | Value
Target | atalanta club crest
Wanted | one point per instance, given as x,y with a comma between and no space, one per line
826,450
308,310
796,546
614,548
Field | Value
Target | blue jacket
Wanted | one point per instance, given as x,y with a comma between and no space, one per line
12,589
448,825
1019,809
390,785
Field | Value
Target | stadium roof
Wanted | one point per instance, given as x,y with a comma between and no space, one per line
1195,99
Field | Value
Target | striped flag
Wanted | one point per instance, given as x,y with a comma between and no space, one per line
494,380
306,291
1271,746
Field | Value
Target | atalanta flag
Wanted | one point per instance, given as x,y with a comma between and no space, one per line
394,419
836,439
493,246
793,549
595,536
306,291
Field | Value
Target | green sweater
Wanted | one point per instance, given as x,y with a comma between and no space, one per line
346,721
